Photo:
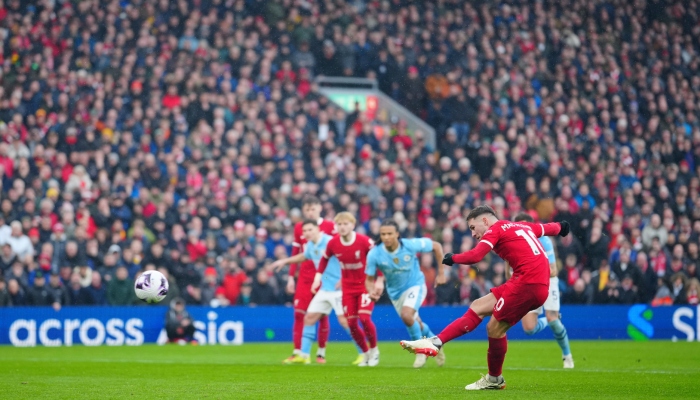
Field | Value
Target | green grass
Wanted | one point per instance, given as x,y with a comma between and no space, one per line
630,370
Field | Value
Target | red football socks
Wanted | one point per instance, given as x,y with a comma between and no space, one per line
297,329
324,330
357,334
370,329
464,324
496,355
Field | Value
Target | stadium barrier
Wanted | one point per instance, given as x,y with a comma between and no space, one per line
93,326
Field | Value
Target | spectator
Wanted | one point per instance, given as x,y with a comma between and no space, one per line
654,230
628,291
692,292
678,289
20,243
232,282
59,292
4,295
179,325
120,291
7,258
78,295
448,293
16,293
39,294
263,293
578,294
245,295
97,290
468,292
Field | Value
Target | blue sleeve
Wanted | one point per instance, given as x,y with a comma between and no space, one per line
371,268
548,249
307,252
418,245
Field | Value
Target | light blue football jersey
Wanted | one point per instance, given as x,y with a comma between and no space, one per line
548,247
314,252
401,268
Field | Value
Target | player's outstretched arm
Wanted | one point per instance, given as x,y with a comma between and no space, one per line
277,265
472,256
550,229
296,249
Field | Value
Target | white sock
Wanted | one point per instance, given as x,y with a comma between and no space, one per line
296,352
436,341
495,379
321,352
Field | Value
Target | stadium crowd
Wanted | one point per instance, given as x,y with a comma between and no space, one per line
182,136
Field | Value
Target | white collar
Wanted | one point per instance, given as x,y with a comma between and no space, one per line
344,243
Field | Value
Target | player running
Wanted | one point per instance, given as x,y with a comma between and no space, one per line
311,208
351,249
515,242
531,323
405,283
327,299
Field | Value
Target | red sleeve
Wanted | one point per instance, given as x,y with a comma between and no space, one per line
474,255
550,229
323,263
296,249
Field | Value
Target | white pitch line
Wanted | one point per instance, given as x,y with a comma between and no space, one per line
542,369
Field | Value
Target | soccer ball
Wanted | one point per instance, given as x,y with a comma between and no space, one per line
151,287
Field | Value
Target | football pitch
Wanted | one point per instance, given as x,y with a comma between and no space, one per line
533,369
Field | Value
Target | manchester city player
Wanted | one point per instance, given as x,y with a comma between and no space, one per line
405,283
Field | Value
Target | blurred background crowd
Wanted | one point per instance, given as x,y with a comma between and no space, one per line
182,136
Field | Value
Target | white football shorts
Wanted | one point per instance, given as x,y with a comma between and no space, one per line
553,302
412,297
324,302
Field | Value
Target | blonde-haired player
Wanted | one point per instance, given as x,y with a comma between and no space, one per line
351,248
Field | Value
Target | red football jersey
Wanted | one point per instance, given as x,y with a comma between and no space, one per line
352,257
307,267
515,242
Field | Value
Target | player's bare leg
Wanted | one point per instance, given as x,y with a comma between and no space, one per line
480,308
562,338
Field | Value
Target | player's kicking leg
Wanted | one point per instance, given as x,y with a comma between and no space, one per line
407,306
507,304
479,309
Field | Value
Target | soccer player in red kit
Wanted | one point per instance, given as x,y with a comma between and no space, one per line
311,208
351,249
515,242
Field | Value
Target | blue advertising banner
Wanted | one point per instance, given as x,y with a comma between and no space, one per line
114,326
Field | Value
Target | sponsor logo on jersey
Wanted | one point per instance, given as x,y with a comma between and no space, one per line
351,265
